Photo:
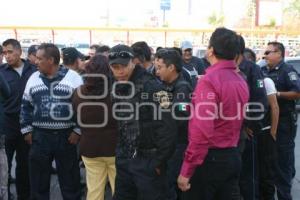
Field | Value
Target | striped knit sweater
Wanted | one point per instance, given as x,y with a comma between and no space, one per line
47,103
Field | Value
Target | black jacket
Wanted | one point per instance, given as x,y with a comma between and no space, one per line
12,105
4,94
140,126
181,92
255,80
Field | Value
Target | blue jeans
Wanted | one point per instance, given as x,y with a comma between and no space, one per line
46,146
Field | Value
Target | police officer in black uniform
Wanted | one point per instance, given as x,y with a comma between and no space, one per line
168,69
287,84
258,106
147,133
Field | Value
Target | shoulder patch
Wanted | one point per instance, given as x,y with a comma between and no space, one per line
293,76
183,106
260,83
163,99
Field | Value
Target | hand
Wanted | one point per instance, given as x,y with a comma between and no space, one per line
28,138
183,183
200,77
157,170
249,132
273,136
73,138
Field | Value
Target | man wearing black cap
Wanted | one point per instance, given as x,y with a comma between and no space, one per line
146,129
72,59
31,54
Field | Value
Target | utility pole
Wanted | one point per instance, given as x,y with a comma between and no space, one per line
221,10
256,12
189,7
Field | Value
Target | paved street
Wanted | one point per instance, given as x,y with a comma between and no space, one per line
55,192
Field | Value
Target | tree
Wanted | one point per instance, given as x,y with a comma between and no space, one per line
216,20
292,15
293,8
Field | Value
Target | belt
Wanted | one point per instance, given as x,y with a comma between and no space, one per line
224,150
146,152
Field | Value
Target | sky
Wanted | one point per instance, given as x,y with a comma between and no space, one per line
125,13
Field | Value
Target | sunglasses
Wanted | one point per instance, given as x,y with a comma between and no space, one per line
268,52
121,54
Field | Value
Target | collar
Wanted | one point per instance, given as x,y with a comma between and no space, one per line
61,72
277,67
171,86
137,71
7,66
222,64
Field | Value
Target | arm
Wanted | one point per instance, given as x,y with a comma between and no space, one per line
293,84
4,87
26,114
201,127
292,95
274,114
77,83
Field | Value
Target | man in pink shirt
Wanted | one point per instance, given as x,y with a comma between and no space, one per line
212,161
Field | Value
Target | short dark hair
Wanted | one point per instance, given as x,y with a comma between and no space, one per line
158,48
178,50
103,49
141,51
279,46
251,53
32,49
1,49
96,65
225,43
170,56
96,47
51,51
15,43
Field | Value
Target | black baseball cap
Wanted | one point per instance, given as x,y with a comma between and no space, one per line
120,54
71,53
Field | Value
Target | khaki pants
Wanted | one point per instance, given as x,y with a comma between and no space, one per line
97,171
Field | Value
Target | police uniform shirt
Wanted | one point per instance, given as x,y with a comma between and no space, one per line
180,92
286,79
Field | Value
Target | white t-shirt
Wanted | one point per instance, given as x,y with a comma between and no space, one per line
20,69
270,86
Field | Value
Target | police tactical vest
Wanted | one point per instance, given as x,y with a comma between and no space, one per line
277,75
131,123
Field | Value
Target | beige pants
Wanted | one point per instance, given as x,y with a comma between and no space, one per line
97,171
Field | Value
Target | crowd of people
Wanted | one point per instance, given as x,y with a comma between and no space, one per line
153,126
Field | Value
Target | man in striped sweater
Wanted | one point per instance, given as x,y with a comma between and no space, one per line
48,125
